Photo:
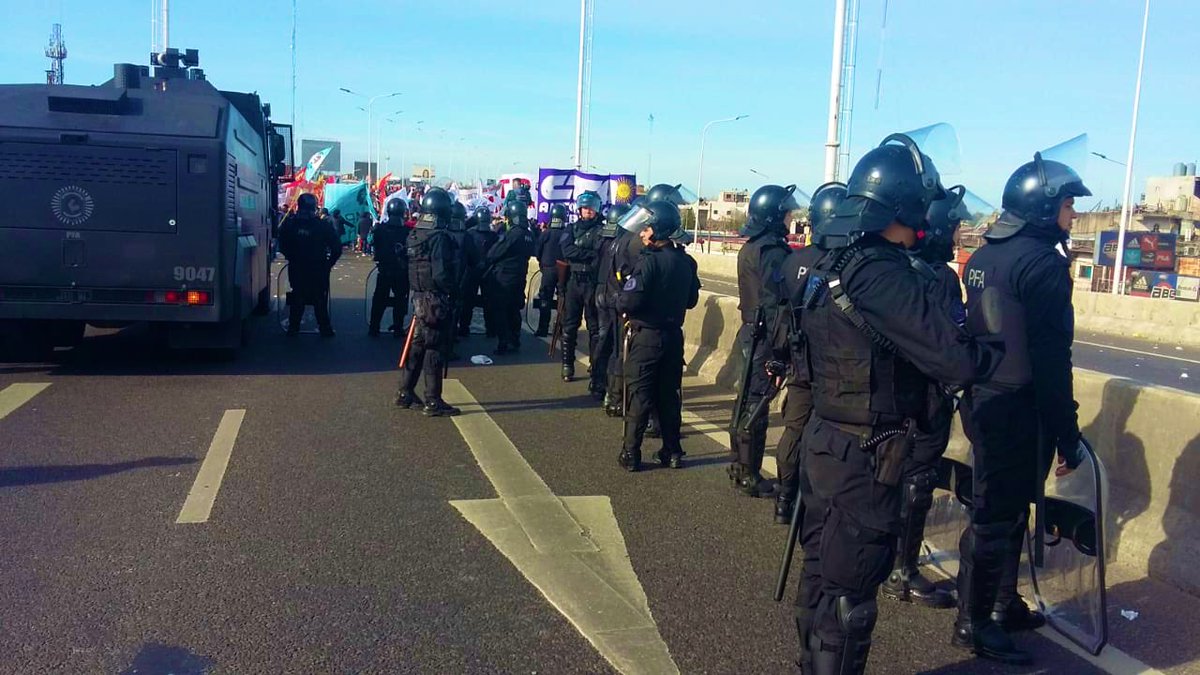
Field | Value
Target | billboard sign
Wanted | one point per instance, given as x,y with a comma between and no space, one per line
1143,250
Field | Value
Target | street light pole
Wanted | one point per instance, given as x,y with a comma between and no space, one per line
370,102
1128,192
700,176
579,87
835,92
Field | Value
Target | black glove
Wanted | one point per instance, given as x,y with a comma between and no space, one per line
776,368
1072,449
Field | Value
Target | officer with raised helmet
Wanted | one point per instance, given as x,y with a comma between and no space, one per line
920,475
508,265
483,238
613,238
789,348
875,341
654,298
391,258
580,248
1031,390
759,301
549,252
311,248
432,275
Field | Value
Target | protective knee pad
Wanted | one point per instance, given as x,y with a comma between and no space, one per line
845,654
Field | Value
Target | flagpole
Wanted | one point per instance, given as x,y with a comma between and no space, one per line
1128,191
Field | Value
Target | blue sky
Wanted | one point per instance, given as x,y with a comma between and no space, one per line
1011,77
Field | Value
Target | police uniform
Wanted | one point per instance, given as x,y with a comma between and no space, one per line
655,298
311,248
432,276
580,246
759,301
1028,405
875,342
483,238
508,265
549,253
610,278
391,281
468,266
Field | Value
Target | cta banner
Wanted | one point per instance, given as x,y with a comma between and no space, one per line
563,186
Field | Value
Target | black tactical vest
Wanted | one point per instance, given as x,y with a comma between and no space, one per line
587,237
750,274
856,378
420,257
998,265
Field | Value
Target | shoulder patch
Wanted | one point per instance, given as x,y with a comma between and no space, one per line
631,284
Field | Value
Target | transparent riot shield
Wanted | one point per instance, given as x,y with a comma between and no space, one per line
369,292
940,143
1068,573
949,515
531,300
282,295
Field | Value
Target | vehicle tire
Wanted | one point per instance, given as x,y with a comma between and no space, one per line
65,333
262,305
25,341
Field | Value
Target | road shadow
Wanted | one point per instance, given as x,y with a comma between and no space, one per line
41,475
1174,559
1125,456
159,659
710,333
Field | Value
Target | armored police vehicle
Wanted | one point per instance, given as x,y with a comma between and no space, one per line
149,198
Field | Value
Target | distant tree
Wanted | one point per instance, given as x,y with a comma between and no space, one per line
689,219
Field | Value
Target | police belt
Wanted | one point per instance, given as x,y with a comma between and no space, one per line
638,324
869,435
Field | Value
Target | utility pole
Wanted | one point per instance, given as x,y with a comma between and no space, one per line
1128,192
835,90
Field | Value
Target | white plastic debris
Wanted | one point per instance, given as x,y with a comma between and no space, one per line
1178,348
481,360
1129,614
1183,376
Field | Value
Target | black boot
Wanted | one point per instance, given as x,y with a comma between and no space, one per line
1017,616
906,583
652,428
670,460
631,461
596,389
543,328
1010,611
844,654
785,505
407,400
568,362
751,482
981,553
438,408
377,310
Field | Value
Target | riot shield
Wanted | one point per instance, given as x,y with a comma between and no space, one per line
949,515
1069,582
282,296
940,143
369,293
531,300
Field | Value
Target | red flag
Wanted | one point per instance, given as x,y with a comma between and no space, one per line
381,191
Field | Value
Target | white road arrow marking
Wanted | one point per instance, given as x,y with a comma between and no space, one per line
569,548
16,395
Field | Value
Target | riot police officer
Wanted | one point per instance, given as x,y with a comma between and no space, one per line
609,281
875,340
311,248
483,238
391,258
508,265
1031,391
468,262
433,279
789,347
920,475
580,246
549,252
759,301
655,298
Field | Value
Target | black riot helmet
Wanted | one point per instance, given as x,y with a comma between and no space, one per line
517,214
458,215
893,182
306,203
768,210
435,208
558,216
820,210
615,213
483,219
662,217
944,217
397,209
665,192
1033,196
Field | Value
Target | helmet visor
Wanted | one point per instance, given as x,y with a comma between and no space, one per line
637,219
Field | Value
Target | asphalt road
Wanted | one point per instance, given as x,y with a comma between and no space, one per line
1158,364
332,544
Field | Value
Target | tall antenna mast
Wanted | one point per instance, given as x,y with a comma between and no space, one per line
57,51
849,61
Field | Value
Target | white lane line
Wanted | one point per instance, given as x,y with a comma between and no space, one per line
570,548
199,503
1137,351
16,395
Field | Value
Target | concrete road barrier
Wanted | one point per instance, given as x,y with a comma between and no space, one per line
1148,438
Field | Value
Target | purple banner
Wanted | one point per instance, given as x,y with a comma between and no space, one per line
563,186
